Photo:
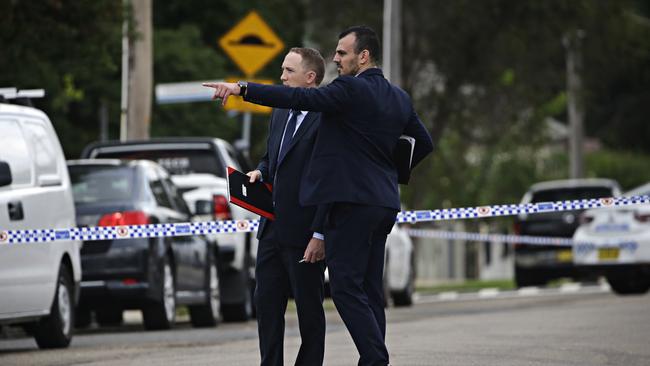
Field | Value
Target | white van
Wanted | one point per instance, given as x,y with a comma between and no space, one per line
38,281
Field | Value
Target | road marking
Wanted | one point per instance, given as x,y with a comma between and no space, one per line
494,293
570,287
448,295
528,291
488,292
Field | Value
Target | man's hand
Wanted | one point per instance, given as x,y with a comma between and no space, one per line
223,90
255,175
315,251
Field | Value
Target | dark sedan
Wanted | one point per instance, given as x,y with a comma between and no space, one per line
152,274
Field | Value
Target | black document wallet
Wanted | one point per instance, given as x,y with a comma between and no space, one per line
403,157
255,197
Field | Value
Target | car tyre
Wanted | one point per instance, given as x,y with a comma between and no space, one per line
207,315
525,277
161,314
245,310
82,317
56,329
629,281
405,296
109,316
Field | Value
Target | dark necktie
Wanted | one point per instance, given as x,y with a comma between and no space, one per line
288,134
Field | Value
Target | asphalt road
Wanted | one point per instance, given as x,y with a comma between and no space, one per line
559,328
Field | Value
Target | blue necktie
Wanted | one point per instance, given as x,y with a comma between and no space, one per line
288,134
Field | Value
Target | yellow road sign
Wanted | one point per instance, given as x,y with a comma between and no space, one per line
237,103
251,44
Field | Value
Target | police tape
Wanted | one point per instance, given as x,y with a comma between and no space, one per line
521,239
511,210
245,226
492,238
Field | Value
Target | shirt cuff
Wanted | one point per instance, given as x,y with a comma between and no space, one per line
318,236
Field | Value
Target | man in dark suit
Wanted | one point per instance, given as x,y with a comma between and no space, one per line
290,254
352,169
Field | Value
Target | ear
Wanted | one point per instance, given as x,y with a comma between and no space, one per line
311,77
364,57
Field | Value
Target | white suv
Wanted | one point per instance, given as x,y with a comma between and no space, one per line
38,281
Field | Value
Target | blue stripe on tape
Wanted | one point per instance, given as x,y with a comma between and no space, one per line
243,226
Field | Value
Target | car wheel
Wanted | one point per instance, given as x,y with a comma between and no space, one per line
161,314
243,311
405,296
82,317
630,281
56,329
109,316
525,277
207,315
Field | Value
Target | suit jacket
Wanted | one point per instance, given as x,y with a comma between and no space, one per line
362,119
294,223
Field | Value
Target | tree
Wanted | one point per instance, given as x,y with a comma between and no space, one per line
71,49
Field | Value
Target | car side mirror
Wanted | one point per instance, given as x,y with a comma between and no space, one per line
203,207
5,174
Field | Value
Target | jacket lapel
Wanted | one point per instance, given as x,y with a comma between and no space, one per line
307,124
278,129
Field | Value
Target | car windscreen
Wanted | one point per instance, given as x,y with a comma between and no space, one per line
570,194
93,184
177,162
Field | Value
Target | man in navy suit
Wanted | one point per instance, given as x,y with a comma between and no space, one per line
352,169
290,253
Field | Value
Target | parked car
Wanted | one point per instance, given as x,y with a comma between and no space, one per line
399,267
39,282
155,275
198,168
538,264
615,242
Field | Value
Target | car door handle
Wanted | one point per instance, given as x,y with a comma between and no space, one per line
15,210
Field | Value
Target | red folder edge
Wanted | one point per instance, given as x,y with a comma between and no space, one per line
251,208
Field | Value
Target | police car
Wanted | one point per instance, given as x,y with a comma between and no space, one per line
616,242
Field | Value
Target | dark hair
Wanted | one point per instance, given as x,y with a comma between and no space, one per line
311,60
366,40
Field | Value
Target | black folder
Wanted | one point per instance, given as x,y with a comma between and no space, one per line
255,197
403,157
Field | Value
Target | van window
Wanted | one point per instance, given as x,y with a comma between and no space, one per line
15,152
44,151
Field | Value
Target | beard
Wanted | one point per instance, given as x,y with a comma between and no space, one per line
352,70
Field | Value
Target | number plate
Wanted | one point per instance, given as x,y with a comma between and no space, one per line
608,253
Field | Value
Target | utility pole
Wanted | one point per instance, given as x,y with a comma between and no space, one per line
392,41
572,41
139,106
124,100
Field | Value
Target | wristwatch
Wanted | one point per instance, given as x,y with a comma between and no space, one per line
243,85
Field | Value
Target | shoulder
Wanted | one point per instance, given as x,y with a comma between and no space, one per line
346,80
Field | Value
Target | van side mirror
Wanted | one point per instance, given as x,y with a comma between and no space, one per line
203,207
5,174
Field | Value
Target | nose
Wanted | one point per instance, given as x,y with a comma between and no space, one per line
336,58
283,76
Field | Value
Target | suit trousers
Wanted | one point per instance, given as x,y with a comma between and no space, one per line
355,241
279,275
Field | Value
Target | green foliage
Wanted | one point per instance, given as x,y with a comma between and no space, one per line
70,49
629,169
